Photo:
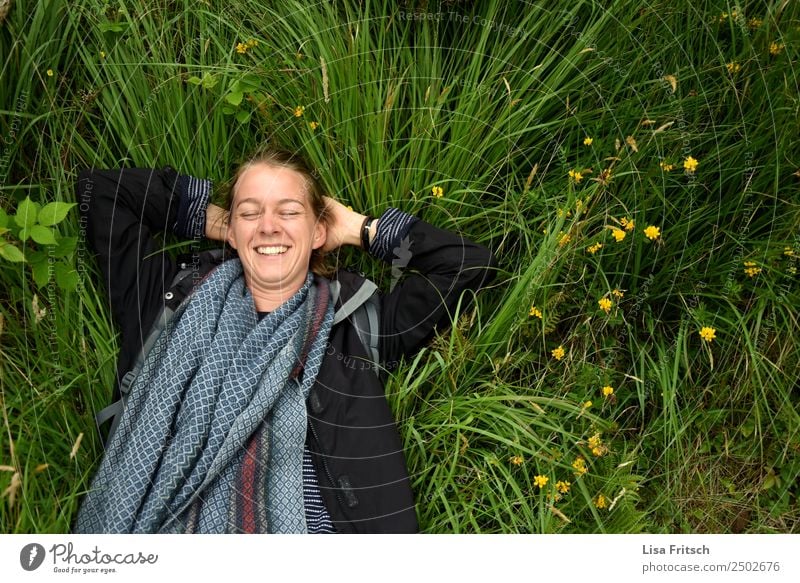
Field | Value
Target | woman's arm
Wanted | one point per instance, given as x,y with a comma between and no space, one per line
431,268
122,209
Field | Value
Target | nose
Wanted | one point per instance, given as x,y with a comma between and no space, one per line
268,223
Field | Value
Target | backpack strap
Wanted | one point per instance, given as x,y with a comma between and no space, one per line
363,310
178,290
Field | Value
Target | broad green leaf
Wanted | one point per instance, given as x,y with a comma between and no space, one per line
23,234
66,277
209,81
54,212
112,27
41,272
242,116
228,110
250,82
3,230
65,246
194,80
43,235
11,253
26,213
234,98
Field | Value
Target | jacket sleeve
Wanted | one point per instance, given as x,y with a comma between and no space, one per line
431,268
120,211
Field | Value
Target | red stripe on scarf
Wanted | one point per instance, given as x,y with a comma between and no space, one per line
248,481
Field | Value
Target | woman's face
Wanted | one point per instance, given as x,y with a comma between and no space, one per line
274,230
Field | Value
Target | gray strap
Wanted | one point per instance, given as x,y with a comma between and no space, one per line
361,296
336,287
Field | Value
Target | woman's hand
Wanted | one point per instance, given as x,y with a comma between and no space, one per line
345,226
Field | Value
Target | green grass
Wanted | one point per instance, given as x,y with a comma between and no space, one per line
491,102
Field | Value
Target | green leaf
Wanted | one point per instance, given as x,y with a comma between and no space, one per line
66,277
3,218
111,27
3,230
234,98
11,253
250,82
209,81
26,213
43,235
41,272
194,80
23,234
65,246
242,116
54,213
228,110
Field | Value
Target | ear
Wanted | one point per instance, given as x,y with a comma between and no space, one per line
229,234
320,235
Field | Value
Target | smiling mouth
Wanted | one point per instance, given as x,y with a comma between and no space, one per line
272,250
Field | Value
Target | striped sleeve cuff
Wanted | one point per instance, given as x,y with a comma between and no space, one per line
393,226
194,196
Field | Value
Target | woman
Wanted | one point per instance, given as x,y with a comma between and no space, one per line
249,414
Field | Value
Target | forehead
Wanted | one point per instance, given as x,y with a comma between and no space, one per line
268,183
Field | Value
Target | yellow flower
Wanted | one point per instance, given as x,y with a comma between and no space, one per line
49,72
517,460
618,293
608,390
587,404
690,164
707,333
601,501
604,177
733,68
535,312
652,232
723,17
629,224
596,445
576,176
665,166
775,48
594,248
313,125
754,22
562,486
540,481
241,48
565,238
298,111
751,269
579,465
252,43
587,141
437,191
619,234
788,251
605,304
102,54
558,353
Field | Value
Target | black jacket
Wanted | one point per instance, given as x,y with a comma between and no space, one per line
354,442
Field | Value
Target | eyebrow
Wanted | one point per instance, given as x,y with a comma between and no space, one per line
281,201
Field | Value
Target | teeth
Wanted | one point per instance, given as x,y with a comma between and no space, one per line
275,250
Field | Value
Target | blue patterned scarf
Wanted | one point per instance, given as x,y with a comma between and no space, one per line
211,440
